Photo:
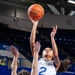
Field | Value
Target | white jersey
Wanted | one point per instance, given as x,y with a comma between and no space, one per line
46,67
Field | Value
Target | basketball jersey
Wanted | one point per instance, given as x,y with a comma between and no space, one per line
46,67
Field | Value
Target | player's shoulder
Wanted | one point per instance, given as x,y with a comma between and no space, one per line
40,59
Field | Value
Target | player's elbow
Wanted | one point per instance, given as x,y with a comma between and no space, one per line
32,43
34,67
55,54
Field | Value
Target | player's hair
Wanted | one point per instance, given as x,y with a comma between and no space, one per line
23,72
64,65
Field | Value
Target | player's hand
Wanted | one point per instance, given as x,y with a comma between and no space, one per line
54,31
14,51
34,22
37,47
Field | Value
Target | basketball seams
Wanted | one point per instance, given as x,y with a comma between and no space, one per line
34,16
37,11
40,8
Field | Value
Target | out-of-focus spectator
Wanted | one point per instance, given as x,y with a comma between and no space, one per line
2,62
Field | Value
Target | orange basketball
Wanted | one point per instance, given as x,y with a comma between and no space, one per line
36,11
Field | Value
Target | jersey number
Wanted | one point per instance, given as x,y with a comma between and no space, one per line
43,70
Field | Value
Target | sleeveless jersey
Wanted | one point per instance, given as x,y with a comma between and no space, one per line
46,67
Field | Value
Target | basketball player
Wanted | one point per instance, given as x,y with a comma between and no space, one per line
14,63
49,63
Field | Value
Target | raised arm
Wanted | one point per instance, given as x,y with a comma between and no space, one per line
54,47
15,58
35,59
33,35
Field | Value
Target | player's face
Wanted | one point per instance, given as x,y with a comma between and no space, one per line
48,52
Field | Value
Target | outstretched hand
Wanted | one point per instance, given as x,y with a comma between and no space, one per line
14,51
34,22
37,47
54,31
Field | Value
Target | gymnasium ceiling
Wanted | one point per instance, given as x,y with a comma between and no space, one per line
51,6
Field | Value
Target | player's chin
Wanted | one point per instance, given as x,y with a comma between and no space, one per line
49,55
46,55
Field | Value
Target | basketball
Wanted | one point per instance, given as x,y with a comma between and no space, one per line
36,11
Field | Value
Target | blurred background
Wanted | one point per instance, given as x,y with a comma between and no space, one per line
15,29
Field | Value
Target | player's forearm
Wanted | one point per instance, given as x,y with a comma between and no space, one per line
54,46
55,51
35,61
35,64
33,34
14,65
